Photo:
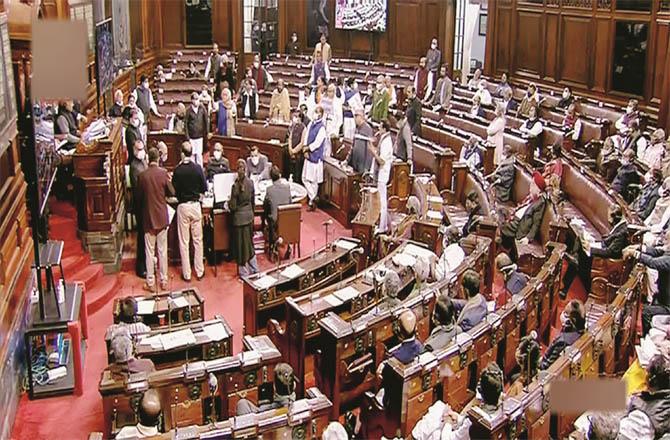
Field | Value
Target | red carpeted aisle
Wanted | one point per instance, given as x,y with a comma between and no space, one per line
70,417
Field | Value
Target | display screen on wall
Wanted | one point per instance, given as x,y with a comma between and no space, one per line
361,15
630,57
104,55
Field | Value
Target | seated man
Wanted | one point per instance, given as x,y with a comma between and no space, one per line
649,411
631,114
422,274
284,392
657,259
177,121
515,281
611,246
490,388
257,165
442,321
476,109
525,225
504,175
532,129
651,192
148,413
573,321
452,254
125,362
626,175
474,210
217,163
473,309
276,195
335,431
527,356
128,318
472,155
441,422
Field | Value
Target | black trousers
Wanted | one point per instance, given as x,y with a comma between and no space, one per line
581,269
648,312
140,255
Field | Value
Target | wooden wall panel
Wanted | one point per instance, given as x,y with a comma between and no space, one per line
550,53
659,59
601,53
503,35
173,24
574,50
528,50
221,15
408,43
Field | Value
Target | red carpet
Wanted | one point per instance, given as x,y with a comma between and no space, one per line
70,417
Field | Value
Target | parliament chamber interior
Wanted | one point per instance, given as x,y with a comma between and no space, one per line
335,219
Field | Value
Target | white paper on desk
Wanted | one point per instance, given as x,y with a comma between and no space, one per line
418,251
332,300
250,357
152,341
145,306
435,215
171,212
435,199
223,185
179,302
292,271
347,293
346,244
404,260
177,339
300,406
265,282
215,332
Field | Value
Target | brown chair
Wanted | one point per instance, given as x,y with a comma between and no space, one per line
289,219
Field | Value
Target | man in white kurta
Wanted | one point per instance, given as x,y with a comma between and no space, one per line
314,141
381,170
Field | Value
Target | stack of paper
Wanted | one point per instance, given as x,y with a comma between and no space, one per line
292,271
265,282
435,199
418,251
250,357
347,293
177,339
179,302
145,306
215,332
345,244
154,342
434,215
404,260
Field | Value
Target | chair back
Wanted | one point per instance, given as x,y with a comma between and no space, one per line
289,218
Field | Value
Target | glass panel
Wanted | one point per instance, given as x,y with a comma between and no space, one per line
630,56
198,22
634,5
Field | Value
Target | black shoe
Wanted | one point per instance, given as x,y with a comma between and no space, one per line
563,294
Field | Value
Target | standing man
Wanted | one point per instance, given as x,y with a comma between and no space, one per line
117,109
380,100
381,170
145,99
314,144
197,126
360,158
295,156
352,102
133,133
433,59
293,46
414,111
213,64
443,91
276,195
189,183
404,146
322,49
249,100
137,166
153,186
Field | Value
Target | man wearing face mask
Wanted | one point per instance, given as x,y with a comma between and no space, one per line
294,148
433,59
213,63
117,109
249,100
280,105
177,122
138,165
145,99
217,164
573,320
132,105
611,246
260,74
352,102
382,154
162,153
626,175
314,145
360,159
196,125
422,86
293,46
133,134
631,114
414,111
257,165
483,93
380,101
452,254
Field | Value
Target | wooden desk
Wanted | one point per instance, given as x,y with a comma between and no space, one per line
99,197
186,397
193,312
326,266
340,191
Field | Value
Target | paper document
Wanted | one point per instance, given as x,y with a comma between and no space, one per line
435,215
223,185
347,293
250,357
179,302
177,339
345,244
404,260
332,300
521,211
292,271
265,282
145,307
418,251
435,199
152,341
215,332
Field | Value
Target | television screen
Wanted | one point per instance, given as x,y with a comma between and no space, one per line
361,15
104,55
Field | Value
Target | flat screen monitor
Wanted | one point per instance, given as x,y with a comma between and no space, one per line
104,55
361,15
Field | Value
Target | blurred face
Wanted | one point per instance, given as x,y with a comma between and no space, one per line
476,100
241,170
532,113
280,85
118,97
323,39
218,153
433,43
503,78
534,190
422,64
69,105
470,205
566,93
294,37
215,48
359,119
443,71
319,114
195,102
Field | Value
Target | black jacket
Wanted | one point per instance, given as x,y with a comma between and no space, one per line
132,134
529,224
565,339
657,258
647,200
414,113
625,176
613,243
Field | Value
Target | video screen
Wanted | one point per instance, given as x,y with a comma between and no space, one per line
361,15
104,59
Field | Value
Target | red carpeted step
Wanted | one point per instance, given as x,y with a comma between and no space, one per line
87,275
62,228
102,292
61,208
75,262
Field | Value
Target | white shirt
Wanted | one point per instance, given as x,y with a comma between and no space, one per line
431,427
386,154
138,431
652,155
452,256
534,131
484,96
636,425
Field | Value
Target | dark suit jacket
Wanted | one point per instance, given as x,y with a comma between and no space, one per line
647,201
407,351
217,167
504,174
439,338
556,347
414,113
516,282
153,186
116,111
132,134
241,203
471,312
659,259
529,224
625,175
278,194
613,243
